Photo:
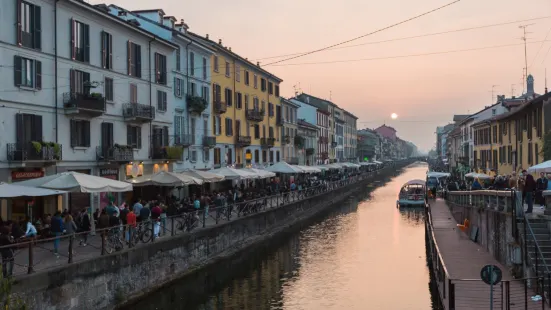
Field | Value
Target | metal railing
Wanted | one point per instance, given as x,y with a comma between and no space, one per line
36,151
33,254
136,111
95,102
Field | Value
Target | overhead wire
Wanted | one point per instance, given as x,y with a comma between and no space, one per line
368,34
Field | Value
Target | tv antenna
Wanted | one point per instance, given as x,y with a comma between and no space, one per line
524,38
493,87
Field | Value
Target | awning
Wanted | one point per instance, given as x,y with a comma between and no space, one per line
164,179
78,182
12,191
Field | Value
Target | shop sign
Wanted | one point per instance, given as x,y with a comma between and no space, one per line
26,175
108,172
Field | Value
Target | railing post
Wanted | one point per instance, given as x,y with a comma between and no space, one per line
30,268
172,226
102,234
71,249
451,295
204,217
131,235
152,231
507,295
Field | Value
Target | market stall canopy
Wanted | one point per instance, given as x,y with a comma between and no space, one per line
543,167
235,174
12,191
205,176
78,182
263,174
283,167
333,166
164,178
322,168
434,174
309,169
475,175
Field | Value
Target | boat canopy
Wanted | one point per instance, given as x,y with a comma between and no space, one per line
415,182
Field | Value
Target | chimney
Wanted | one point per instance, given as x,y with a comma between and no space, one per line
207,36
229,48
258,63
220,41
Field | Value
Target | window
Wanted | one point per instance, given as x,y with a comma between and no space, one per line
277,156
161,101
134,136
28,25
238,73
217,93
204,68
237,127
160,69
80,133
133,93
28,128
217,125
178,87
179,129
205,93
27,72
228,97
263,131
192,90
246,102
192,63
263,106
215,63
79,81
108,89
271,109
227,69
255,81
206,155
277,90
80,41
256,104
271,132
262,84
247,77
256,156
217,156
106,50
229,127
134,63
238,100
248,127
178,60
263,156
270,88
193,157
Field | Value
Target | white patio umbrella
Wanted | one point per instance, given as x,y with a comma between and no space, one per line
322,168
309,169
543,167
283,167
475,175
78,182
263,174
333,166
164,178
235,174
13,190
205,176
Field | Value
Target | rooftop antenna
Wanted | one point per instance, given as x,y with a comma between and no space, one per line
330,95
546,80
524,38
493,86
512,90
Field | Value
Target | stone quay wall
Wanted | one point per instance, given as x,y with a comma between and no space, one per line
123,277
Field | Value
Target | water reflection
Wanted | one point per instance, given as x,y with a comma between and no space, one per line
367,254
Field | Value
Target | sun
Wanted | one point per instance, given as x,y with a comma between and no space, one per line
394,116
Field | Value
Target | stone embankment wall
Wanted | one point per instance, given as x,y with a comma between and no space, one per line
111,280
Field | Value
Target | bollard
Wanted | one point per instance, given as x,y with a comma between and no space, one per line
71,238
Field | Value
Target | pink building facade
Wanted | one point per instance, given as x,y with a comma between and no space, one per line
387,132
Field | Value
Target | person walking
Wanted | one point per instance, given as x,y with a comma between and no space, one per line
131,220
70,227
528,191
57,229
155,216
85,227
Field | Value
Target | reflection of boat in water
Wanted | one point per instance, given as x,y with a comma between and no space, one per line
412,194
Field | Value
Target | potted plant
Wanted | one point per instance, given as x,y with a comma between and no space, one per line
96,95
196,104
174,152
37,146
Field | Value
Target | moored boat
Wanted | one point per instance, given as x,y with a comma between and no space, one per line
412,194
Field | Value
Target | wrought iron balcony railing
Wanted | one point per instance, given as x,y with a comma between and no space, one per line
117,153
243,141
209,141
135,112
90,104
34,151
255,115
267,142
220,107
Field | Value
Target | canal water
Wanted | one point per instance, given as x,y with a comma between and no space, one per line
365,254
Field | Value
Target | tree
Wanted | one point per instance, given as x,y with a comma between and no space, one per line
546,149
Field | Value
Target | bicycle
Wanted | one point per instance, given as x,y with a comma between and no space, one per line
113,241
143,234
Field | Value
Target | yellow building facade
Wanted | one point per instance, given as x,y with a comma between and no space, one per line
511,141
246,109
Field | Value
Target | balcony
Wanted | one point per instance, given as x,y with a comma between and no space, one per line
243,141
255,115
138,113
167,152
287,139
196,104
116,153
220,107
299,142
309,151
184,140
209,141
91,105
34,151
267,142
292,160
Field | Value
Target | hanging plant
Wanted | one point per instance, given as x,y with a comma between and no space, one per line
174,152
37,146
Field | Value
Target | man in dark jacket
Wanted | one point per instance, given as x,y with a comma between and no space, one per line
85,226
57,229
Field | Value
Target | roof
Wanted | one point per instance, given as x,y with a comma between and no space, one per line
150,10
220,47
304,123
289,102
350,114
455,132
384,125
520,108
459,118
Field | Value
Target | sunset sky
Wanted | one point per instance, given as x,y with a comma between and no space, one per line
425,91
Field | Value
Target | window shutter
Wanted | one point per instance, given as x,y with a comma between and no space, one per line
102,50
139,137
129,57
18,4
72,80
37,130
16,70
128,135
38,74
73,45
165,105
138,61
37,28
157,72
19,134
86,129
176,87
165,136
86,43
110,51
73,132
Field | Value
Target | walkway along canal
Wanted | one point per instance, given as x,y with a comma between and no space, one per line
102,281
351,257
495,235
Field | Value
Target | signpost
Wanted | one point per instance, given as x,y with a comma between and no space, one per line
491,275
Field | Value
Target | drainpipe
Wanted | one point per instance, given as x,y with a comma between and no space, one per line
187,87
235,109
150,97
55,75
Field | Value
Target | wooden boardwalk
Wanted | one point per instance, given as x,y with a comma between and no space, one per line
463,259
